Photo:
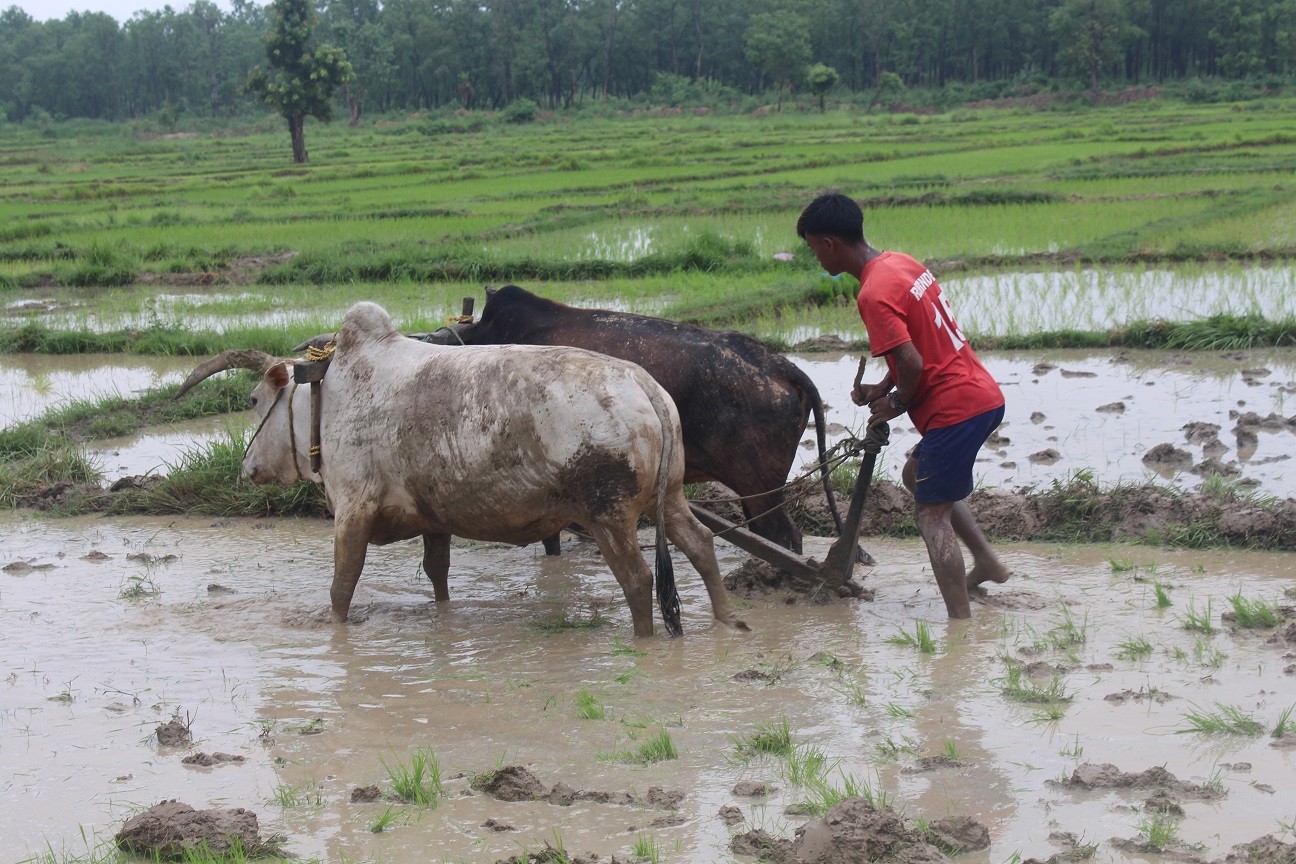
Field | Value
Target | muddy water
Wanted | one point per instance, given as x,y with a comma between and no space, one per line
1100,412
233,634
32,383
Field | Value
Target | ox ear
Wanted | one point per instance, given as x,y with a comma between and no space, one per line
278,376
490,292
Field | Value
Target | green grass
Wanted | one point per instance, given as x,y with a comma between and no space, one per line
1224,719
417,781
1161,830
1163,600
1198,622
1133,648
657,748
1284,723
1018,687
588,707
771,739
921,638
692,235
1252,613
646,848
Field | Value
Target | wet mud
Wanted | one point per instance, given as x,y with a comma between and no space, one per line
117,627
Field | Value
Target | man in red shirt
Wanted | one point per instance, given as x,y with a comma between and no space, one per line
932,374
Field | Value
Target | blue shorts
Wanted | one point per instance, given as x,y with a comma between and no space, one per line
945,458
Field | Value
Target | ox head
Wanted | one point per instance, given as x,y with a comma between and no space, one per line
458,331
277,451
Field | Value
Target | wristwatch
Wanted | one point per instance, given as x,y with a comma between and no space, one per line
894,399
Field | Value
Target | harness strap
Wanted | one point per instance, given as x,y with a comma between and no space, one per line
261,425
316,458
292,433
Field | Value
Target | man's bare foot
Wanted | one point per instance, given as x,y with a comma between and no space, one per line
992,573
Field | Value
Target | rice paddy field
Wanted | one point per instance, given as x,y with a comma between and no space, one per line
1035,221
1128,273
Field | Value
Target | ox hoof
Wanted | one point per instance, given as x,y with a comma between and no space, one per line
739,624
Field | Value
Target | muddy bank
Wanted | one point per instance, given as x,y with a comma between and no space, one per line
1080,511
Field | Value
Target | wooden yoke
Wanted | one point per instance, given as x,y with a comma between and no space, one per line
311,371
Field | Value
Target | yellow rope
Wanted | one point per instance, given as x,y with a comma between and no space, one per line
313,451
459,319
313,353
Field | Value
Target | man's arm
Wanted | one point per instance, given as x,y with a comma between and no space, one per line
908,369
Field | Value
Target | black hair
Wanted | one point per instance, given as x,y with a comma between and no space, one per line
832,215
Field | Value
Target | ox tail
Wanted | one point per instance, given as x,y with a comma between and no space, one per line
810,393
667,594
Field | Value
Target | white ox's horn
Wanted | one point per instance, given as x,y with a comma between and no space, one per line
236,358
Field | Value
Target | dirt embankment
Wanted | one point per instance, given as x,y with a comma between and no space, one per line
1082,512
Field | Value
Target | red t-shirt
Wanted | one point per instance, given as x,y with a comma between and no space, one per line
900,302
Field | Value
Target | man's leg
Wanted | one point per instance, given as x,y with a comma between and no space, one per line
986,566
935,524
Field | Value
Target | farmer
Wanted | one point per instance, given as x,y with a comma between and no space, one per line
932,374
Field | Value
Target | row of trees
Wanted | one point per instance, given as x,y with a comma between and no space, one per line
427,54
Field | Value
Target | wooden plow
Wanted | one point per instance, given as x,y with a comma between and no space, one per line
839,564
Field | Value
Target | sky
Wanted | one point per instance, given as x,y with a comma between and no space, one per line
43,10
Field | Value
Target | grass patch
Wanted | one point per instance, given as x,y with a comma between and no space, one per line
1249,614
1018,687
1198,622
588,707
921,638
564,623
658,748
1163,600
1133,648
772,739
417,781
1223,720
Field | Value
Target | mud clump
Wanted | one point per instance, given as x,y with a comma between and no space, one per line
758,579
514,783
1264,850
365,794
1108,776
759,843
856,831
209,760
1167,456
959,834
171,829
174,733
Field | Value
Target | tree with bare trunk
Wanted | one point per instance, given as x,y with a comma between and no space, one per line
303,79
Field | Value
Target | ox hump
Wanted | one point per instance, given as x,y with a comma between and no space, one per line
364,322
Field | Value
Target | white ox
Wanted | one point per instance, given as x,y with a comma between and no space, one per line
497,443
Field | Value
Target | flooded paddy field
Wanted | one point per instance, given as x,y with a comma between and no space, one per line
109,628
1068,411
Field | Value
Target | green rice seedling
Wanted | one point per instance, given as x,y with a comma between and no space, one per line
890,749
1198,621
805,765
853,690
1160,828
1225,719
824,795
563,623
588,707
1206,654
1018,687
1067,633
1250,614
1284,724
419,781
646,848
627,676
897,712
1162,596
658,748
385,818
1122,565
621,649
772,739
952,752
1075,750
921,638
1051,712
1133,648
294,796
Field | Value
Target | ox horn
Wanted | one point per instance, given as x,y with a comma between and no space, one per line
237,358
319,342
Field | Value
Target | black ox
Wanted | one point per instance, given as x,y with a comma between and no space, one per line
742,406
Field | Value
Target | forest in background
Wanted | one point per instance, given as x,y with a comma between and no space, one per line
417,55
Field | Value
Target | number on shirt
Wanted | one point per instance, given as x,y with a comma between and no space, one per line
951,328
